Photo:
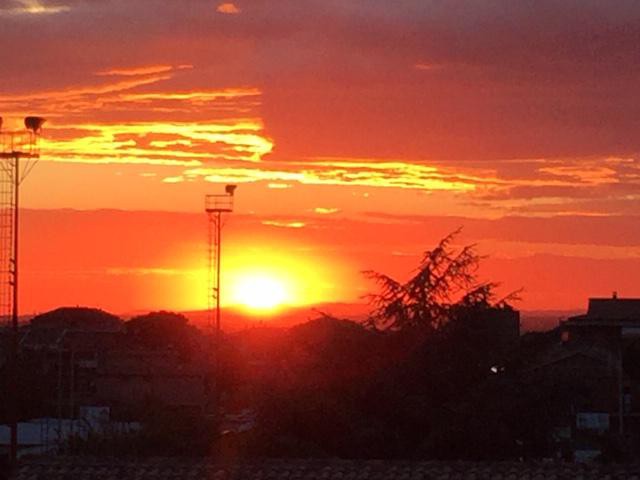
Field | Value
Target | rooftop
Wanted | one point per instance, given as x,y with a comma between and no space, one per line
610,312
315,469
614,308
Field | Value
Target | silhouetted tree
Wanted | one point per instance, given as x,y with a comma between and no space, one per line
162,330
78,318
446,281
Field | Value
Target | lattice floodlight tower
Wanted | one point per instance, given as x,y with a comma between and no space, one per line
215,206
18,155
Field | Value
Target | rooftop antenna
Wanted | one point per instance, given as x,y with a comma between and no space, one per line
19,153
216,205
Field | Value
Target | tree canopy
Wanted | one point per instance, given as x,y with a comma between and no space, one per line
79,318
445,282
161,330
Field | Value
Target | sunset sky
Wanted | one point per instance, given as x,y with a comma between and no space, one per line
359,134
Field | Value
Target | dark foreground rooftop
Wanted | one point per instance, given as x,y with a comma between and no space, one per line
72,469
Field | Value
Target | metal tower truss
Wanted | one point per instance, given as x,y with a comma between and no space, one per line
7,207
216,206
214,260
18,155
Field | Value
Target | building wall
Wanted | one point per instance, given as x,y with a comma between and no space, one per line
140,390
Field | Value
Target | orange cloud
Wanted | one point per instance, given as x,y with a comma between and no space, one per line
135,71
365,172
277,223
33,7
326,211
78,96
189,144
206,125
228,9
427,66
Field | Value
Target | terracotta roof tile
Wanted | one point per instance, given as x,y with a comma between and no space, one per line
174,469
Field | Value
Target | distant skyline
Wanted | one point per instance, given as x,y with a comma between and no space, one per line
358,134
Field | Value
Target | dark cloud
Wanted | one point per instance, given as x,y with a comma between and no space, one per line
511,79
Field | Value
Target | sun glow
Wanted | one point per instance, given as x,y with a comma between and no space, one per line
264,278
260,292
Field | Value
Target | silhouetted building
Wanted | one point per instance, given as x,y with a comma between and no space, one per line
132,380
79,369
607,319
593,356
613,324
67,362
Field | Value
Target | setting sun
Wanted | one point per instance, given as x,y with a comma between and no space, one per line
261,278
260,292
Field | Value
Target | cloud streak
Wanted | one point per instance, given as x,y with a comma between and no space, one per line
340,172
32,7
534,112
225,127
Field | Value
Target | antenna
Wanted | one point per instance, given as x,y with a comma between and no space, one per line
19,153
